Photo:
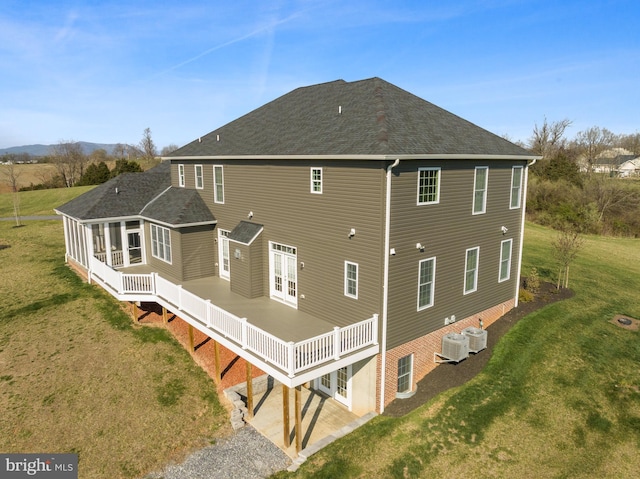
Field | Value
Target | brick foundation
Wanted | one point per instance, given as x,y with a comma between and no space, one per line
423,349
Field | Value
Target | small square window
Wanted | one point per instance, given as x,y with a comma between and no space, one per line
428,186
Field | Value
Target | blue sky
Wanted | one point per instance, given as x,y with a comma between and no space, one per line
103,71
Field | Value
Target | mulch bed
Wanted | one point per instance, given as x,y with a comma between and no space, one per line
445,376
449,375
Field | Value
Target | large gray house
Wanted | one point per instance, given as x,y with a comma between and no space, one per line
335,236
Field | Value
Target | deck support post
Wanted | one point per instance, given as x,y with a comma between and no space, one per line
216,362
285,417
298,401
191,343
134,311
249,390
164,315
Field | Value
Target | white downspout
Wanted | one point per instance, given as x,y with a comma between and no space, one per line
524,210
385,282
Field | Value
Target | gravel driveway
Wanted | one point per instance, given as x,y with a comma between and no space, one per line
246,454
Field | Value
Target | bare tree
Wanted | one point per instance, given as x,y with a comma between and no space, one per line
592,142
167,150
147,145
548,138
630,142
70,161
565,249
12,174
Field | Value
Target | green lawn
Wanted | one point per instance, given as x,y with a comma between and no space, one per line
39,202
77,376
559,398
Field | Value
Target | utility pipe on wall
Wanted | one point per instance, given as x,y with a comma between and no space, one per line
385,282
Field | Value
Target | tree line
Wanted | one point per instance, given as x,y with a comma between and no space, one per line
565,191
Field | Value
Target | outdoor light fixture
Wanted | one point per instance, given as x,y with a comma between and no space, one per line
392,251
419,246
250,215
504,230
352,233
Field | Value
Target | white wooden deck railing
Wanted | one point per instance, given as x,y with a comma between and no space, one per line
291,357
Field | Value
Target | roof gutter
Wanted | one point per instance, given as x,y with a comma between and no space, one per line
427,156
385,281
524,210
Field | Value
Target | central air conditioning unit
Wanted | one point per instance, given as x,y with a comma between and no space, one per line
455,347
477,338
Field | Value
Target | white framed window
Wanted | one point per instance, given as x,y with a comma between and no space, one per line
181,175
428,186
471,270
351,279
405,374
316,181
505,260
199,178
161,243
218,184
426,283
516,187
480,190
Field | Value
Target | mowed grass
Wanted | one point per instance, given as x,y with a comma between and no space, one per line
39,202
560,397
77,376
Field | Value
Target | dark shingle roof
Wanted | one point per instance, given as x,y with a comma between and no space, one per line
178,207
245,232
367,117
125,195
147,194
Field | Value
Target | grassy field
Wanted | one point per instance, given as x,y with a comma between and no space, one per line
77,376
559,398
40,202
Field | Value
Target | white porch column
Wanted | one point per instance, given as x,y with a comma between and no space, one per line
125,243
107,244
65,223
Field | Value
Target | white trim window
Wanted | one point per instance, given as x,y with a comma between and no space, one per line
405,375
506,247
426,283
316,181
199,177
181,175
161,243
351,279
516,187
428,186
480,181
218,184
472,258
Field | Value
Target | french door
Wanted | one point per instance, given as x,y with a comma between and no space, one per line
337,384
283,282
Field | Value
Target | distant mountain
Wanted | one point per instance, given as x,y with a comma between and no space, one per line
44,150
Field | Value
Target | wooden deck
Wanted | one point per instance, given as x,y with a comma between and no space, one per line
278,319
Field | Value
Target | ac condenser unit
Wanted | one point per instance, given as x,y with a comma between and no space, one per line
455,347
477,338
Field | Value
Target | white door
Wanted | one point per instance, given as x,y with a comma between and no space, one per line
337,384
134,247
223,254
283,278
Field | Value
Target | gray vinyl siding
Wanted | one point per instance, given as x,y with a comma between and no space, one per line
173,270
278,194
197,252
447,230
247,271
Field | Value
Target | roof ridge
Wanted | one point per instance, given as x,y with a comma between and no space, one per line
381,113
